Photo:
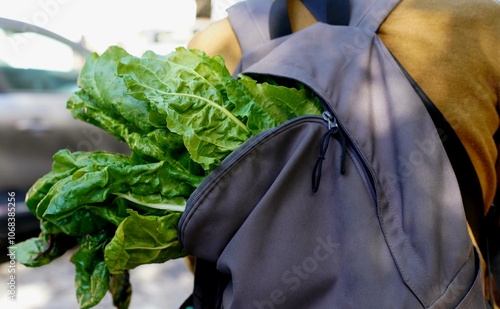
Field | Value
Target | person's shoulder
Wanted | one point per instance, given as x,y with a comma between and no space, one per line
218,39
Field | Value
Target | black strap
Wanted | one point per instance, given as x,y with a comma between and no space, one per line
188,303
492,245
209,285
333,12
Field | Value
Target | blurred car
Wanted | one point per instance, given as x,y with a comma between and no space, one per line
38,73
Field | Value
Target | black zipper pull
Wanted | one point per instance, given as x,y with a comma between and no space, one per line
333,131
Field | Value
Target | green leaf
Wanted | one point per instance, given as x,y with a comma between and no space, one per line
193,98
42,250
100,80
82,222
143,240
86,186
121,289
113,212
101,176
92,274
61,169
283,103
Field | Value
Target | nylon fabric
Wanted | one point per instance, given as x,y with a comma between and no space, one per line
388,232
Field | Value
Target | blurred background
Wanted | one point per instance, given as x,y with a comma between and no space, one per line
158,25
43,46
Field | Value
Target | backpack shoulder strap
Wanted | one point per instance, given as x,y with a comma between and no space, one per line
467,178
249,20
256,22
369,15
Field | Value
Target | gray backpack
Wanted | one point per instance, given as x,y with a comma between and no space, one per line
360,208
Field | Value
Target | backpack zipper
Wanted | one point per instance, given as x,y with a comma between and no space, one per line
335,129
362,167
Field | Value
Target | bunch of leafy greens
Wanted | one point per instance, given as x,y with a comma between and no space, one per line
180,114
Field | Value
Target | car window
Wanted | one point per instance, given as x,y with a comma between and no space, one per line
31,62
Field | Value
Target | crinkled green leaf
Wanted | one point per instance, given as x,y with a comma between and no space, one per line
143,240
120,289
92,274
81,222
193,100
45,248
86,186
97,178
39,190
100,80
283,103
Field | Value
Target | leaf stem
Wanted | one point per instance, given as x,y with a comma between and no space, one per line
169,207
